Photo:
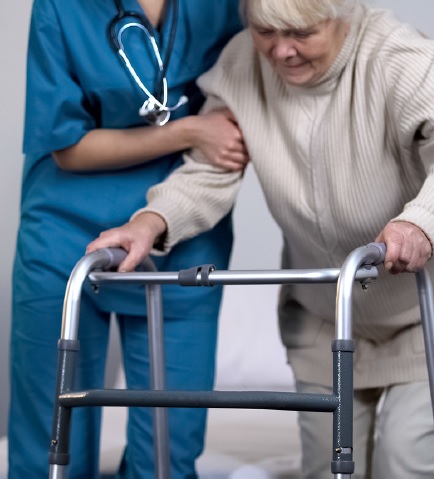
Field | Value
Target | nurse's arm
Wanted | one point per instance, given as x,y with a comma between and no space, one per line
215,134
136,237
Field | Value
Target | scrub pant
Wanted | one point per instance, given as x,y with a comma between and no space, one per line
190,360
393,435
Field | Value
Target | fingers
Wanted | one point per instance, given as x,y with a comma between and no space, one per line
234,157
136,237
107,239
132,260
221,141
136,247
227,113
116,238
408,248
233,160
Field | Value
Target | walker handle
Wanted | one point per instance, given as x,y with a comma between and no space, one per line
381,247
115,257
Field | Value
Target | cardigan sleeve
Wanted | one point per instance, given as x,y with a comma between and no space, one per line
197,195
420,210
192,200
409,76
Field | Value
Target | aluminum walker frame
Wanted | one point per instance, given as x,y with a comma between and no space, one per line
360,266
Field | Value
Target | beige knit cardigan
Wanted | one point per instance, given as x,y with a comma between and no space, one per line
336,162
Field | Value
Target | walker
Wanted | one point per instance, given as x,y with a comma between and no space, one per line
359,266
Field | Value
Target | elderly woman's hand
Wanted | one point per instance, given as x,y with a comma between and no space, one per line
408,248
220,140
136,237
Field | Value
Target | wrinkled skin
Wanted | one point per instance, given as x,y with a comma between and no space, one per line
408,248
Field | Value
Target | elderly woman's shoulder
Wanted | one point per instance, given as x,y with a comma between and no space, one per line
237,63
385,35
239,52
236,72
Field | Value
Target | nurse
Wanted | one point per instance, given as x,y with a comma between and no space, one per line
111,105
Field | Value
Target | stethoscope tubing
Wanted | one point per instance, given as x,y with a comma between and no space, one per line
157,102
121,51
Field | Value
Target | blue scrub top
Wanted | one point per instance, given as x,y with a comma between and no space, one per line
76,83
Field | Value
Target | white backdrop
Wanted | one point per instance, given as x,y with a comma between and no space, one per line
249,336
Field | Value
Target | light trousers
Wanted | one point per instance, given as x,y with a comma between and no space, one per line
393,435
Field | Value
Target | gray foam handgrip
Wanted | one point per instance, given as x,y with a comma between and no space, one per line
115,257
381,252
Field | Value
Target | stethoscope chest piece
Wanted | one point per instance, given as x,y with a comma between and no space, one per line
153,115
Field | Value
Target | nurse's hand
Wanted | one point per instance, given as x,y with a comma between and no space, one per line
220,140
136,237
408,248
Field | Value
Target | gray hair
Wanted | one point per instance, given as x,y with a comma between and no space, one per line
296,13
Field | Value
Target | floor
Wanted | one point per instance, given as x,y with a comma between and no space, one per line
241,444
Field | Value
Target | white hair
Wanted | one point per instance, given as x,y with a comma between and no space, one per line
296,13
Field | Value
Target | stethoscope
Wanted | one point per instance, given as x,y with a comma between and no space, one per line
155,109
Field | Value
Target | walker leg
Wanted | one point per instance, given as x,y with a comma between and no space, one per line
426,300
158,379
59,456
342,465
58,472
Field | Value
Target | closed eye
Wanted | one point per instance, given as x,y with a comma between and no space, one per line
264,32
300,34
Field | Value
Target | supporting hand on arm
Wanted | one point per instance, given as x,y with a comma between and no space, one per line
216,135
408,248
136,237
220,140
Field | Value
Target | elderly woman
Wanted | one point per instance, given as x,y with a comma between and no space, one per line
335,102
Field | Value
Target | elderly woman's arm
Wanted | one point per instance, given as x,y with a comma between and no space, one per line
409,237
409,83
192,200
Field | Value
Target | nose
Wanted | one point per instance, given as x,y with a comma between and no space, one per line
284,47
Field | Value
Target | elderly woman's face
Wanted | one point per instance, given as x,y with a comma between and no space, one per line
301,57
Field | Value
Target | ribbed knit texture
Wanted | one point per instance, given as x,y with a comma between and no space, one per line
336,161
